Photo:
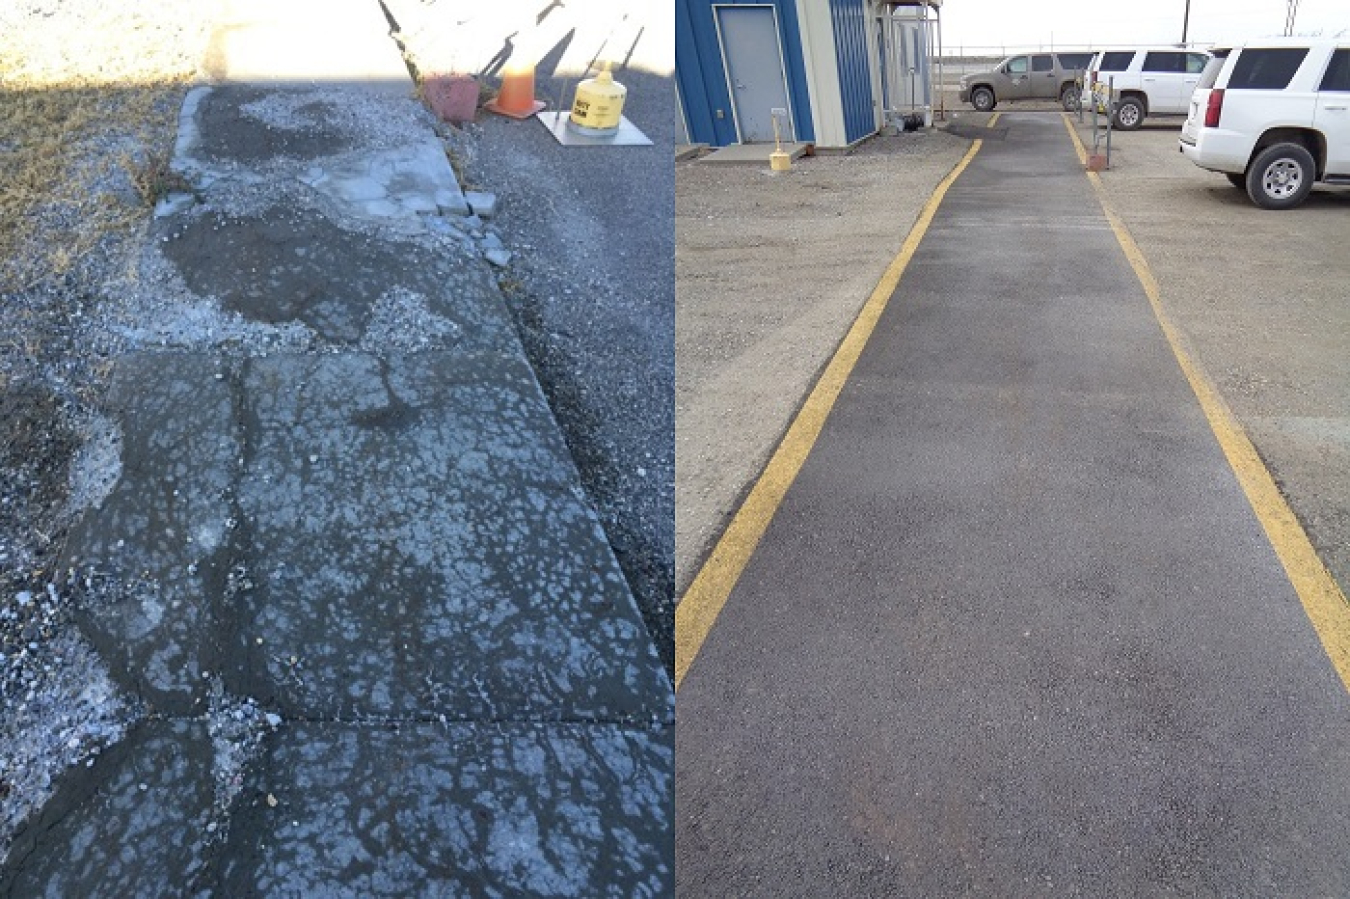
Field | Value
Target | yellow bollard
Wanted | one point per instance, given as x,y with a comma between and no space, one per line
778,160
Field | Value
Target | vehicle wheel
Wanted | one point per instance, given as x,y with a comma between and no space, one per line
1281,176
982,98
1236,180
1068,98
1129,114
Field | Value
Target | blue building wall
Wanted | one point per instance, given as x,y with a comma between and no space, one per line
855,78
703,78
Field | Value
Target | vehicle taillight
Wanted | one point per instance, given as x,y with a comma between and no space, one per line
1213,108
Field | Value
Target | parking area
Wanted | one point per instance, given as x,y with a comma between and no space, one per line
771,269
1262,298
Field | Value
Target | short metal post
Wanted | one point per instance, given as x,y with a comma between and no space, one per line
1096,138
1110,115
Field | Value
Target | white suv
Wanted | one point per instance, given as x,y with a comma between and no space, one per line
1274,116
1148,81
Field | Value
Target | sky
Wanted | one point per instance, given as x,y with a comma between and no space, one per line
991,25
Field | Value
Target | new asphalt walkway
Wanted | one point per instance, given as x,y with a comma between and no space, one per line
344,564
1015,629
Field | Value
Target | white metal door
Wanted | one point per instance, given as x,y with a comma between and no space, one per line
753,58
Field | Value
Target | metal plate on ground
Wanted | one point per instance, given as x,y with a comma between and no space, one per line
628,134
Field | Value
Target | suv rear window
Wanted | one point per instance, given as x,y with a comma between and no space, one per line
1117,61
1075,60
1212,69
1042,63
1268,69
1337,77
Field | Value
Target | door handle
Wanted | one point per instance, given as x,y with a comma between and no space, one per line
739,86
1335,108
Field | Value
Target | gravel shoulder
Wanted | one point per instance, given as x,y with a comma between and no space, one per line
770,271
590,281
89,99
590,287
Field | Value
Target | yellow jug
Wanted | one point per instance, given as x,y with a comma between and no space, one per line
598,106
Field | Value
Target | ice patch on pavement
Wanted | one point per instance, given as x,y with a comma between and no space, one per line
402,322
290,110
97,464
67,713
237,727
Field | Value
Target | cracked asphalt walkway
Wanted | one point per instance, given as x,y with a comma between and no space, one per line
1015,629
343,560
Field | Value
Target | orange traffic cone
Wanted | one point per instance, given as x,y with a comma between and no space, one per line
516,98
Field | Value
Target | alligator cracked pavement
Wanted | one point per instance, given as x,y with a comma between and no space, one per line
338,553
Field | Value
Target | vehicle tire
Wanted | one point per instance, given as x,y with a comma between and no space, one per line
982,98
1239,181
1129,114
1281,176
1068,97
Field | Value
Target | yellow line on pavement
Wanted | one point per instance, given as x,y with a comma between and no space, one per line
703,601
1322,598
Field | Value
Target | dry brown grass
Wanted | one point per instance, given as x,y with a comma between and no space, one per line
153,177
54,171
73,84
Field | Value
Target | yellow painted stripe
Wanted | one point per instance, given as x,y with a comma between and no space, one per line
1322,598
703,601
1077,144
